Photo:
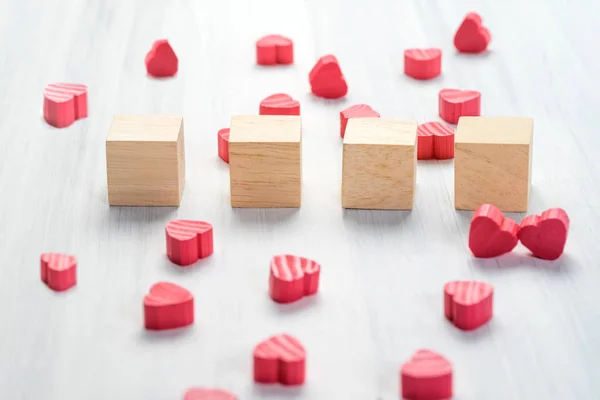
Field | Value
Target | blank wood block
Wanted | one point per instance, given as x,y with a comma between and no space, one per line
379,164
145,160
265,161
492,163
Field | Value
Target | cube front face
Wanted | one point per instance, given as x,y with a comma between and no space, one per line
379,164
492,163
145,161
265,161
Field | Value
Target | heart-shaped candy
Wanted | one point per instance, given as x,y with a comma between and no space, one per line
454,103
274,49
422,63
491,234
58,271
208,394
426,376
468,304
326,79
161,61
355,111
292,278
188,241
168,306
471,36
223,143
435,141
546,235
64,103
280,359
279,104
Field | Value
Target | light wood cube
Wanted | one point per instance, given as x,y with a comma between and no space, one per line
145,160
492,163
379,164
265,161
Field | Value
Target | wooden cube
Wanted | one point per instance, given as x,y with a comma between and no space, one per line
265,161
145,160
379,164
492,163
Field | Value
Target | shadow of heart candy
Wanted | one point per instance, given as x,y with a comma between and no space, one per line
208,394
58,271
293,277
326,79
188,241
546,235
64,103
491,234
161,61
279,104
471,36
280,359
426,376
468,304
355,111
168,306
274,49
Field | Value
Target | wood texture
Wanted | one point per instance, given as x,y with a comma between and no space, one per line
492,163
380,297
379,164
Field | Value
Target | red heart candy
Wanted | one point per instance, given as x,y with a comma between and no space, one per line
58,271
280,359
64,103
326,79
492,235
292,278
426,376
223,143
468,304
161,60
188,241
208,394
274,49
471,36
435,141
355,111
454,103
422,63
168,306
546,235
279,104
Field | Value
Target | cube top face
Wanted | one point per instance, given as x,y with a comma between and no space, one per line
265,129
494,130
381,131
145,128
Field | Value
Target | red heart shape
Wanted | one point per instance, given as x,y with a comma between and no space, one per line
279,104
280,359
546,235
168,306
58,271
422,63
468,304
435,141
454,103
326,79
471,36
223,144
292,278
161,60
64,103
274,49
492,235
208,394
355,111
426,376
188,241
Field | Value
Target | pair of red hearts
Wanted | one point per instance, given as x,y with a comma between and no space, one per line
161,61
65,103
188,241
491,234
292,277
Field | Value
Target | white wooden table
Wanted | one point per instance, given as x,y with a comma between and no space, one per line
381,294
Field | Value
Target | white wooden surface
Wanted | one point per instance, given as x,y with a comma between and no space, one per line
383,272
